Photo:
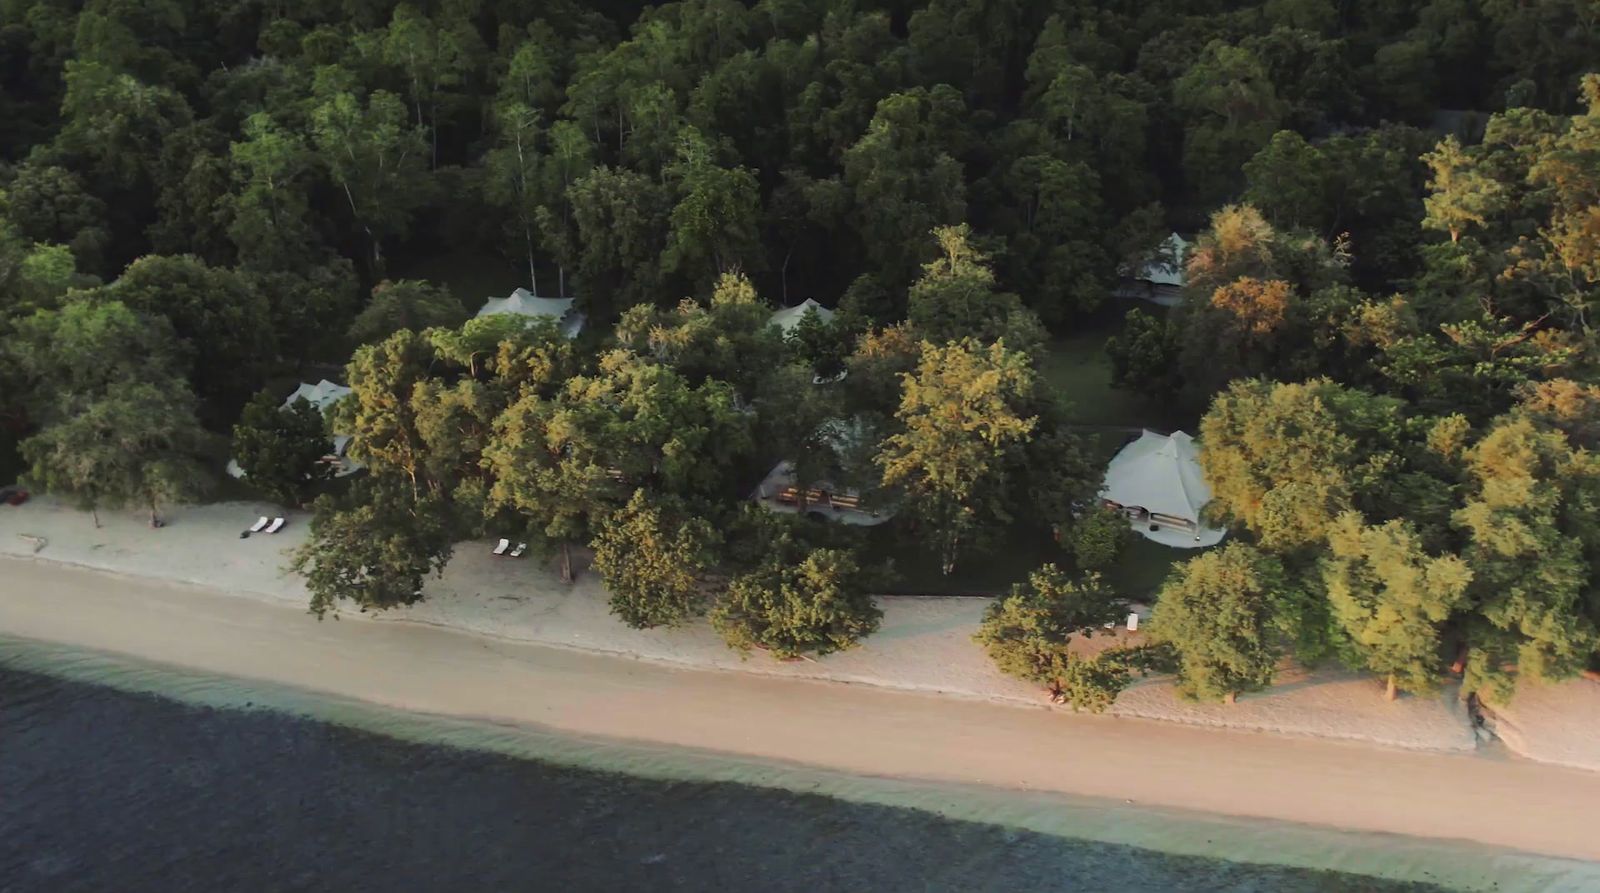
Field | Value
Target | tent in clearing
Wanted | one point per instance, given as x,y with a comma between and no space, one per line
1156,480
322,395
525,303
789,317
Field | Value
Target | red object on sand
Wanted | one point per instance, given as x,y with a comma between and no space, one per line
13,495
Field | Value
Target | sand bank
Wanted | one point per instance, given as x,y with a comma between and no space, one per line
860,730
923,645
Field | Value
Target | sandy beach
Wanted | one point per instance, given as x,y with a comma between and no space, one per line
855,729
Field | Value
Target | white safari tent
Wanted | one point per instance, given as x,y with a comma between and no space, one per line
789,317
1156,480
525,303
322,395
1160,278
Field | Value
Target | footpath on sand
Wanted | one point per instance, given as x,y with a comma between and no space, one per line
924,644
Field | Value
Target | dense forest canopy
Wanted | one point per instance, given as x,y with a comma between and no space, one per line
1387,321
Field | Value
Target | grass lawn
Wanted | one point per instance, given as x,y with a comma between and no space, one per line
1076,365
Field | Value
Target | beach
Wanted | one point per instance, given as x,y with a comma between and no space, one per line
779,715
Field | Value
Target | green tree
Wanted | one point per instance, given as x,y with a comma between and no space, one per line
957,298
85,347
1391,598
411,304
1232,110
375,546
221,319
136,443
281,447
515,181
653,556
1288,181
713,226
960,415
1144,355
375,157
796,602
1097,538
1530,546
621,219
1028,634
1219,611
272,227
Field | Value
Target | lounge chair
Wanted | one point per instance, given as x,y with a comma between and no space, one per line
517,552
276,525
261,523
501,549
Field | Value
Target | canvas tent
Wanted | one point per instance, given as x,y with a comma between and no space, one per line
1160,279
789,317
525,303
1157,481
322,395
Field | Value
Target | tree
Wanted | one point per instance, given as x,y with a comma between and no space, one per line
796,602
1233,111
1286,459
89,344
1219,612
1530,542
957,298
138,442
1097,537
515,181
653,555
272,227
376,159
407,304
1460,194
281,447
621,219
1391,598
1144,355
1028,634
1288,181
218,315
536,474
375,546
713,225
960,418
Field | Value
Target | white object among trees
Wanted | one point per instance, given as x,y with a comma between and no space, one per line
789,317
1157,481
525,303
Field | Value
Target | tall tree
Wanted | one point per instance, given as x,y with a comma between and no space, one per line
798,601
375,546
1391,598
960,415
376,158
411,304
280,448
1219,613
653,555
1029,633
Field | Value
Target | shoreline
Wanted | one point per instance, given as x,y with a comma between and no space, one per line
858,731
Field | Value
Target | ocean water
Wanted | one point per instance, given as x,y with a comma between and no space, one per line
122,777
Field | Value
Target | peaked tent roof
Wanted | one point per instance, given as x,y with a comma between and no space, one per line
789,317
525,303
1161,474
322,395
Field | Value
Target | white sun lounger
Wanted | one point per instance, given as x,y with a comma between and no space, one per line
517,552
501,549
261,522
276,525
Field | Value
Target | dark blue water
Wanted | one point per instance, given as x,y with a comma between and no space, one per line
103,789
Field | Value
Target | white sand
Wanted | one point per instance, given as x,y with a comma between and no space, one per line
924,644
1557,724
860,730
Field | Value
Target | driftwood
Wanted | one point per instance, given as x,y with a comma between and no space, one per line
39,542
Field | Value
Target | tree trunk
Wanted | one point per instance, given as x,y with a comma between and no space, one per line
1231,698
561,273
155,517
1392,691
94,512
566,562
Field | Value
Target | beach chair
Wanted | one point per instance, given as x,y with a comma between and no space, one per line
789,495
502,547
276,525
260,524
517,552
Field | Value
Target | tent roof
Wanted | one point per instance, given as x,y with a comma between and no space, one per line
525,303
1169,269
789,317
322,395
1161,474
